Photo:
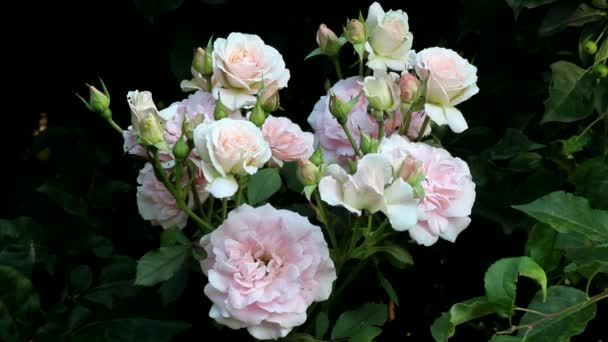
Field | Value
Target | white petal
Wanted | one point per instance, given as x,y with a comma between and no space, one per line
419,234
435,113
455,119
401,207
465,95
375,14
222,187
189,85
331,192
455,226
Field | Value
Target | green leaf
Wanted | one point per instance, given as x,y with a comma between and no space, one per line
313,53
602,53
350,323
506,338
397,255
321,324
70,203
600,96
173,288
444,327
575,143
501,278
300,337
569,94
78,317
569,14
591,180
160,265
19,306
81,279
288,172
541,247
386,285
173,236
560,327
365,334
130,329
526,162
512,144
566,212
518,5
262,185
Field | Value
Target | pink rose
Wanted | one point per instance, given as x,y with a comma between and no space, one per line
449,190
157,205
450,80
328,132
265,267
286,139
242,63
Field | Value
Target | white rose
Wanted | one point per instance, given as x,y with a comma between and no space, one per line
372,188
382,91
450,80
241,63
229,147
390,39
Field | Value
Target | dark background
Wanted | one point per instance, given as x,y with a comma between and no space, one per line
148,45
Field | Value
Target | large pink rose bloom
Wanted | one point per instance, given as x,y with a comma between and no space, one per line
287,140
328,132
157,205
265,267
449,190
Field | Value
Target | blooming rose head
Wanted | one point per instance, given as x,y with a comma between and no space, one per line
265,267
450,80
242,62
229,147
157,204
373,187
286,139
328,132
389,41
382,92
449,192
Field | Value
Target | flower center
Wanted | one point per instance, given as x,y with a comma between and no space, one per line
265,258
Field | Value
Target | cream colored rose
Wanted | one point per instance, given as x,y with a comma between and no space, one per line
382,91
450,80
390,39
229,147
242,62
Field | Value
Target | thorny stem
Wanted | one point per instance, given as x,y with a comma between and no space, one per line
548,316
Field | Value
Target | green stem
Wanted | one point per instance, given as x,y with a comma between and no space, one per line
323,219
224,208
197,199
360,67
352,141
336,62
380,130
531,311
425,123
211,201
605,115
590,279
407,119
115,125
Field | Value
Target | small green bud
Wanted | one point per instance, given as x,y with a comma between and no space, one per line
181,150
307,172
106,114
258,116
340,109
98,100
369,144
220,111
590,47
600,70
317,156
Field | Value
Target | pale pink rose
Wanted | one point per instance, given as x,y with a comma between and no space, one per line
450,80
157,205
416,124
389,41
265,267
242,63
374,188
409,84
287,140
131,146
449,190
229,147
328,132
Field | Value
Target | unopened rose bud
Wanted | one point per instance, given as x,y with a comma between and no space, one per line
411,171
307,172
220,111
355,32
317,156
202,61
340,109
269,97
150,130
600,70
180,150
369,144
328,41
98,100
380,93
409,85
258,116
590,47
